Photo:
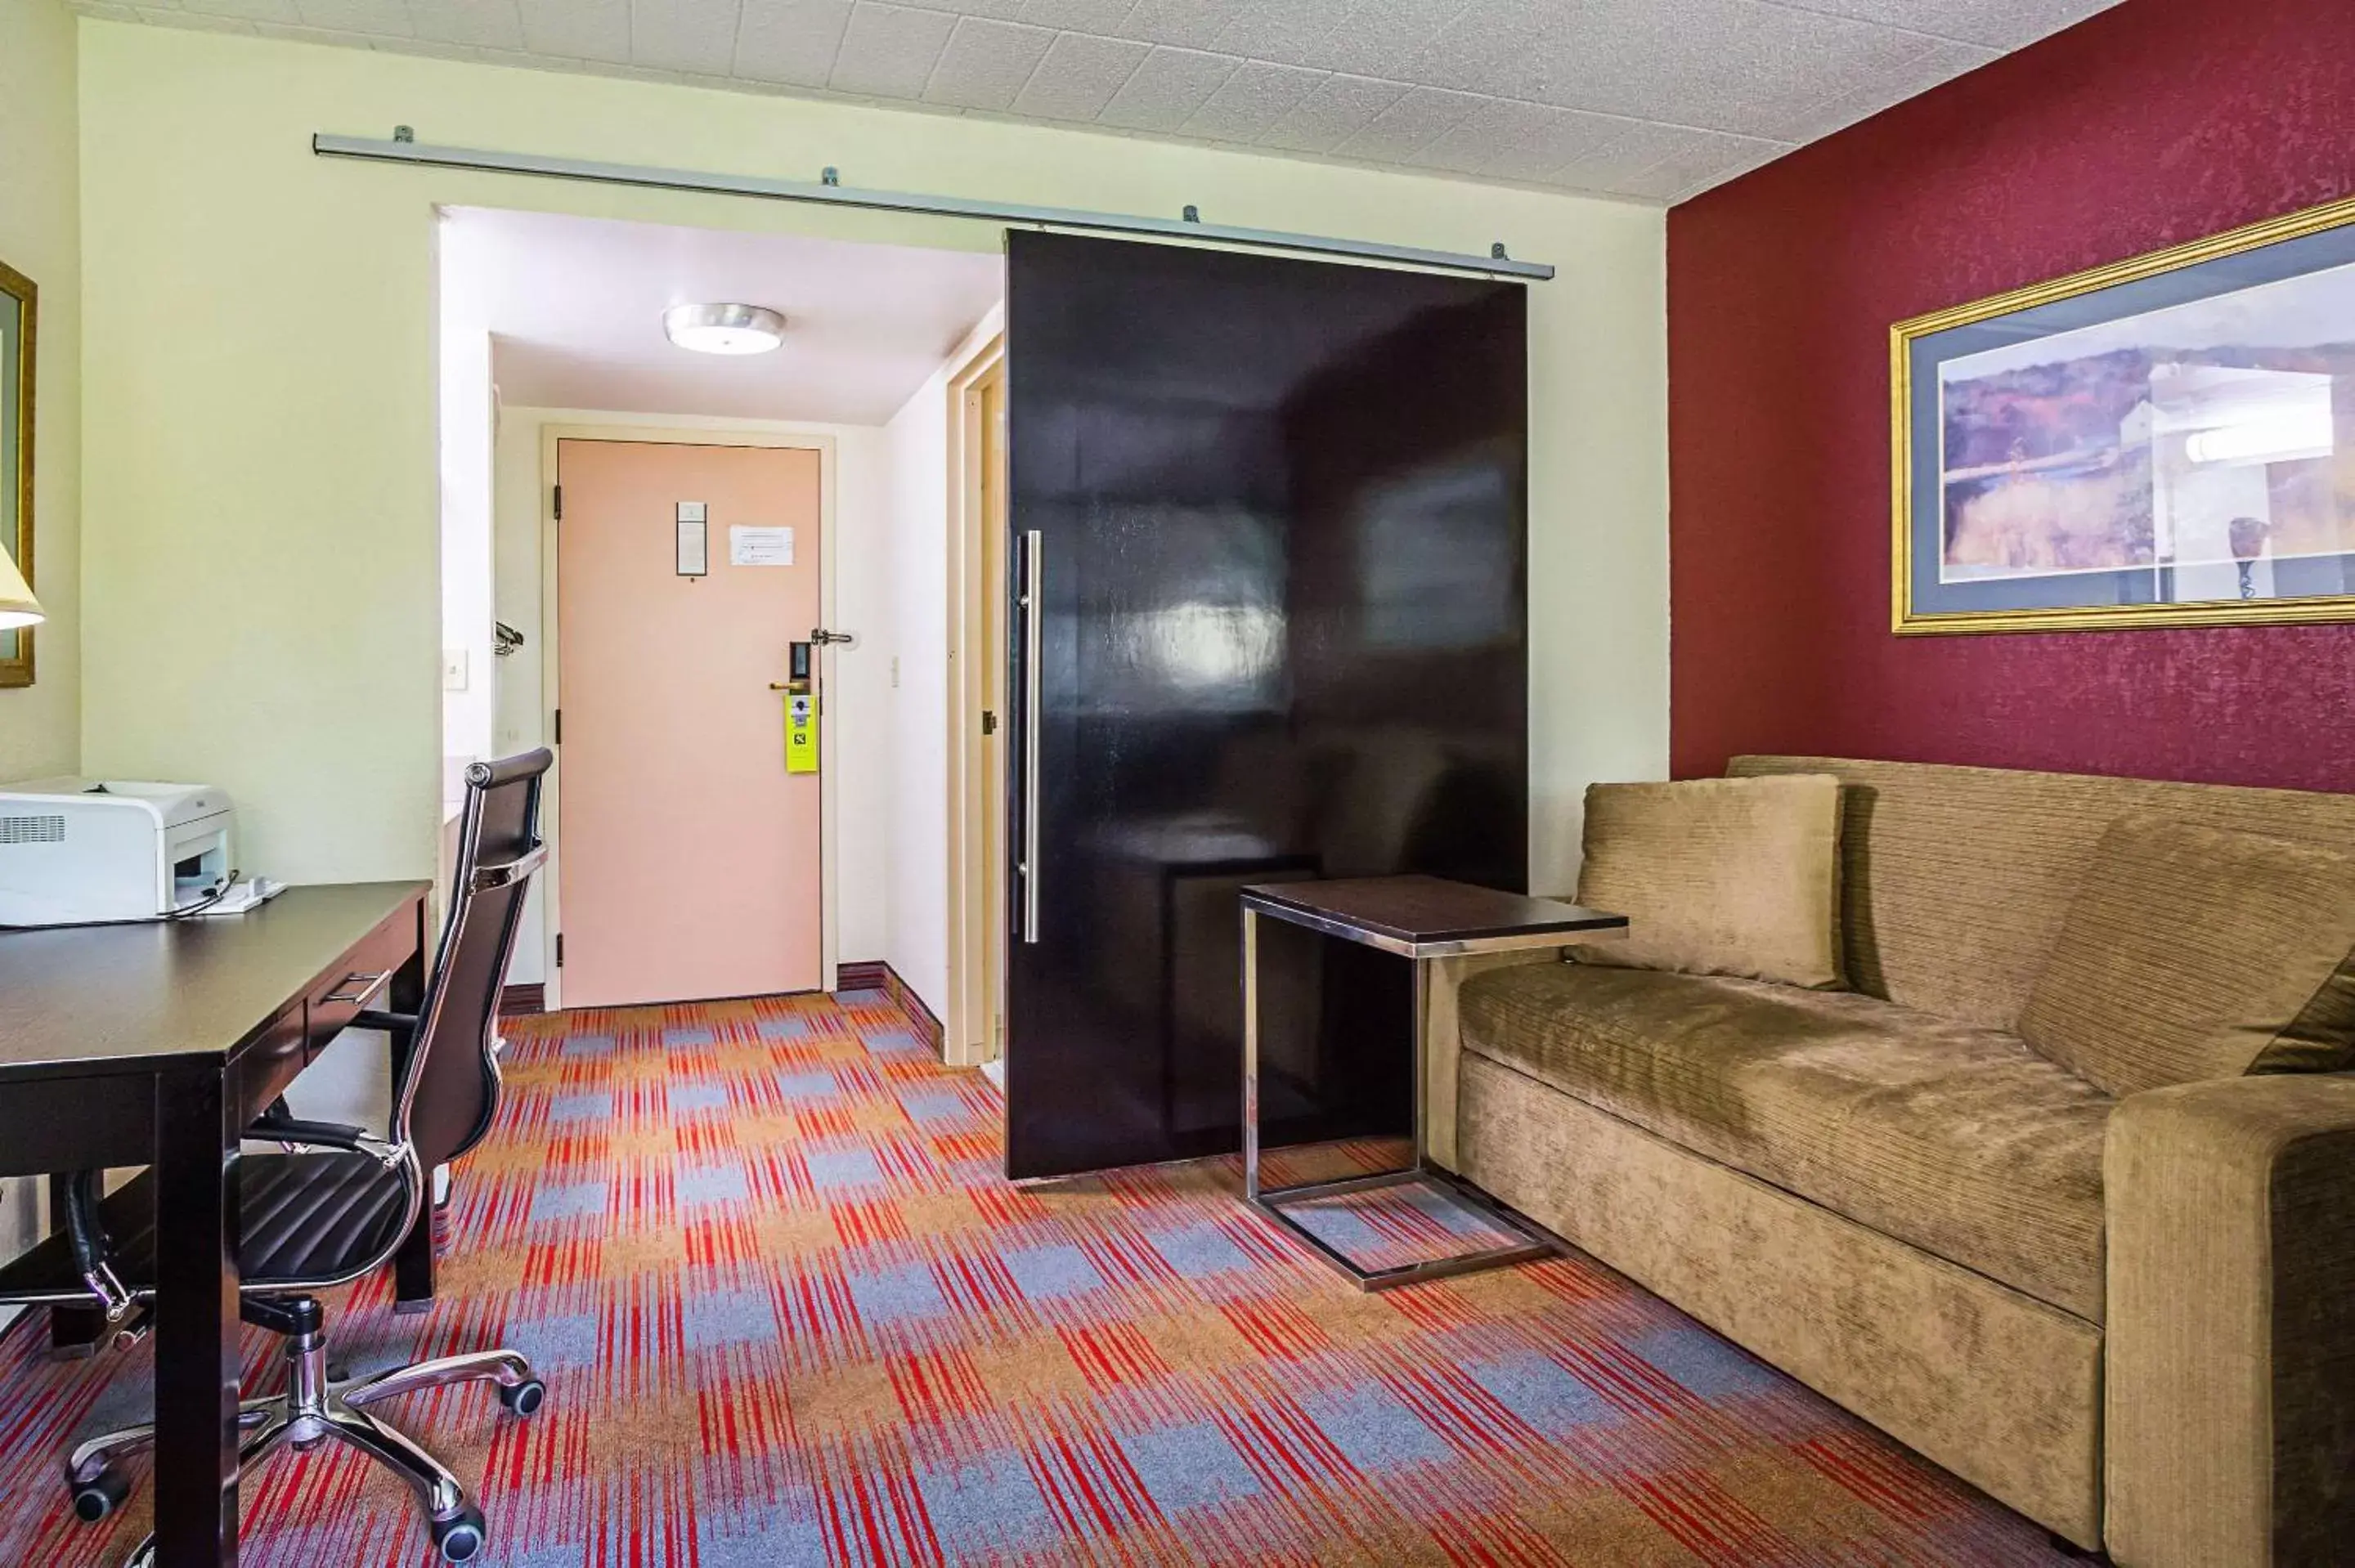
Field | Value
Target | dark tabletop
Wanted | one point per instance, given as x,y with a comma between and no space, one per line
90,995
1419,909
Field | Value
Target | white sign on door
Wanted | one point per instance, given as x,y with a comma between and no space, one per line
759,546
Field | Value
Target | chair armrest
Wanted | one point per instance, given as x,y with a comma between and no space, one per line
278,1125
400,1023
2229,1353
93,1248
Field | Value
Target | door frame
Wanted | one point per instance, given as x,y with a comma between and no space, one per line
965,1040
697,433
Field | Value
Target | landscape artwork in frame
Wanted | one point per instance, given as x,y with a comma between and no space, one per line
2168,440
18,301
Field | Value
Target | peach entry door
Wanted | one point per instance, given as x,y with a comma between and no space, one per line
690,856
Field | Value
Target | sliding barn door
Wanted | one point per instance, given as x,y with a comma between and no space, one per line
1267,587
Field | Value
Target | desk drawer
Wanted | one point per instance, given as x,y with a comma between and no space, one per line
359,979
269,1064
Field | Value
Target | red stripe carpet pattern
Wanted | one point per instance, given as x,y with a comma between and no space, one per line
790,1313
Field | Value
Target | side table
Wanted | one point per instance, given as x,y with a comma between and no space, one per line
1422,919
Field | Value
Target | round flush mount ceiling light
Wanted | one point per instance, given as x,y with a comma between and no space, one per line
724,329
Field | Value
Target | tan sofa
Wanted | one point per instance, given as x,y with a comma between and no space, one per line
2133,1320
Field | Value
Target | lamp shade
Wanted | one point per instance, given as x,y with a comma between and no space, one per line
17,605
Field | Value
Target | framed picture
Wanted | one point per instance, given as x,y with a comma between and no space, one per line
17,298
2165,442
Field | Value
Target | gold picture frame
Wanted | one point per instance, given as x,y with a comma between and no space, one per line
19,333
1906,348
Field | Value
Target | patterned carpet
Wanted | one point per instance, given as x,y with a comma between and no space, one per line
790,1313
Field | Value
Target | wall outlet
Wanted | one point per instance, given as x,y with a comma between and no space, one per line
454,669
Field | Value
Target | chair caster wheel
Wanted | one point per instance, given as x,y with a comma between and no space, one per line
525,1397
460,1537
95,1498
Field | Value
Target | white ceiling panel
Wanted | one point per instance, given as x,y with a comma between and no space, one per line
386,16
987,63
1080,74
696,35
1652,100
1255,97
889,51
1338,108
792,43
576,29
1420,116
281,11
1997,23
471,24
1185,24
1166,89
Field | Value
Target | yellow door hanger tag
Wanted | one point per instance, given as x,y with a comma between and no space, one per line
801,733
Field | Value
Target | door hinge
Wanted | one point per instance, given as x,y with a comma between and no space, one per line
556,504
560,727
988,722
559,949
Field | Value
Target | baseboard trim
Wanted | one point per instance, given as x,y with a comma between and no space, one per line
521,999
877,975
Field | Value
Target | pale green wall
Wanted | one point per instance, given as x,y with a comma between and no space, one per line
39,237
261,606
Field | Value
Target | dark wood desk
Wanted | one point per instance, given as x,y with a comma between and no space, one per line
160,1043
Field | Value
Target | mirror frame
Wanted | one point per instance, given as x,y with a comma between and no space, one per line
16,669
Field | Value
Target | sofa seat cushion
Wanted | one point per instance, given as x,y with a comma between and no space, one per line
1959,1140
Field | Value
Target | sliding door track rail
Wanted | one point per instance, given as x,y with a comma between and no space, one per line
1496,264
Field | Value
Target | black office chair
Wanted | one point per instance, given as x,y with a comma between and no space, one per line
309,1220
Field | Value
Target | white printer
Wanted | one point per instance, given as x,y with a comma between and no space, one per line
82,851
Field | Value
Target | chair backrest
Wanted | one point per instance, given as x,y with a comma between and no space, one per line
1954,881
450,1085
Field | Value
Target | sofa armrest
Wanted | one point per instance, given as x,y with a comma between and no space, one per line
1443,1041
2230,1387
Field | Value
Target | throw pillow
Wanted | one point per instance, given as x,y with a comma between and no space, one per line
1718,876
2193,953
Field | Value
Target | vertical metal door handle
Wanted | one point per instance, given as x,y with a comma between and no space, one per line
1033,576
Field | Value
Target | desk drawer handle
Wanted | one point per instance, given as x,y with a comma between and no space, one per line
368,984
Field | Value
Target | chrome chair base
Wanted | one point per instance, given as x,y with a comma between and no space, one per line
316,1409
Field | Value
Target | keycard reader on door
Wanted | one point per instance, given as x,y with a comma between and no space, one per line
801,712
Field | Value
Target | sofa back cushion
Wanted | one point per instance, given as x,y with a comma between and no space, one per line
1954,881
2194,953
1718,876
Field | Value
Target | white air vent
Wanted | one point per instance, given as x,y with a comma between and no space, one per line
50,830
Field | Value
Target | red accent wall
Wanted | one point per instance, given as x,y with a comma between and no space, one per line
2153,123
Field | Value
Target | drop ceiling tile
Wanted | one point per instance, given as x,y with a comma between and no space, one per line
1254,99
1421,117
1102,17
985,63
1662,161
888,51
1166,88
1380,38
1287,33
684,34
1741,66
245,10
1504,140
1339,108
578,29
485,24
1940,62
1998,24
1079,75
383,19
1482,50
790,42
1188,24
